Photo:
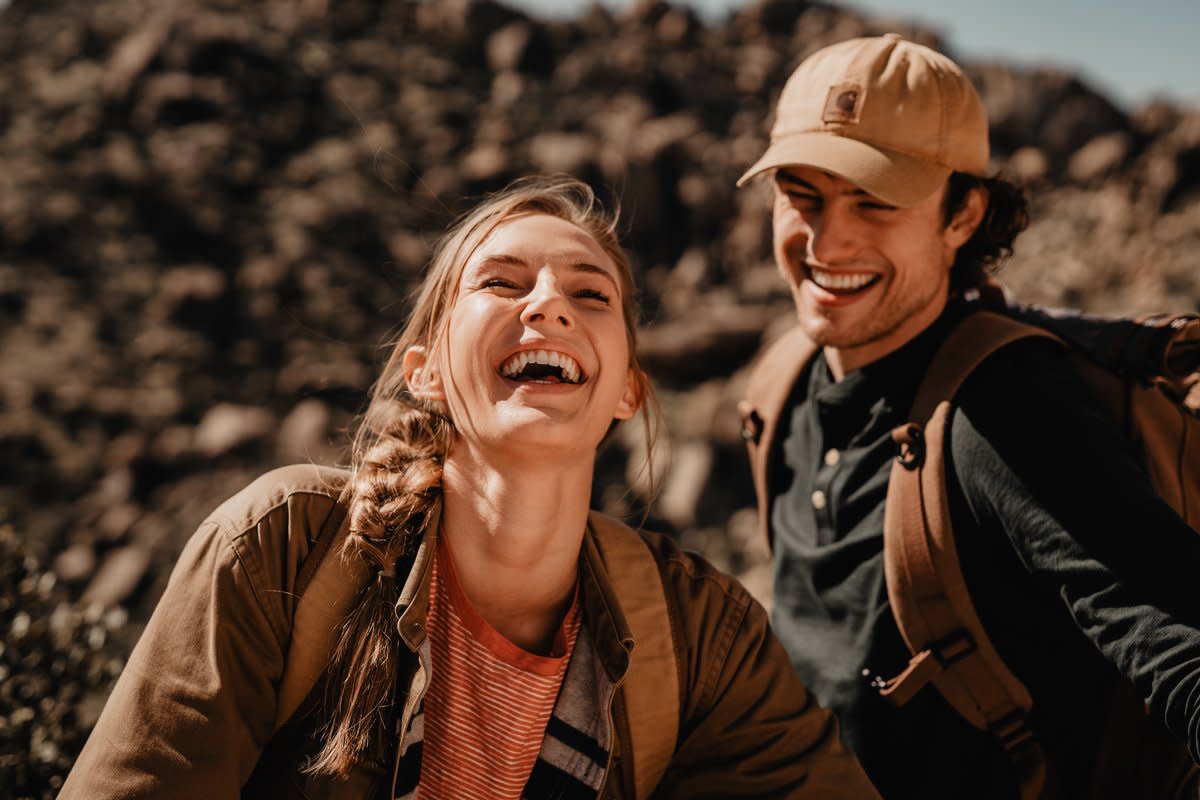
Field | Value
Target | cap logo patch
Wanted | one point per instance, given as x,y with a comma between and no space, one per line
843,103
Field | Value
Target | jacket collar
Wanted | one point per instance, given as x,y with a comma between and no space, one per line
576,753
412,607
602,614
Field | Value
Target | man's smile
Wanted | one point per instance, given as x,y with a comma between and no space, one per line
842,283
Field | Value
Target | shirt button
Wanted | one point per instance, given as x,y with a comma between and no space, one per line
818,500
832,457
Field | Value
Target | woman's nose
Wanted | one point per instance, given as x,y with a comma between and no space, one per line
547,303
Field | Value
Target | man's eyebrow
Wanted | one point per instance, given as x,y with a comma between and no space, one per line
784,177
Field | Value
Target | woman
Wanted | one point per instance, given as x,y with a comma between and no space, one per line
485,654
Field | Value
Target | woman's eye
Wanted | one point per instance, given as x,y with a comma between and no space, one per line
497,283
593,294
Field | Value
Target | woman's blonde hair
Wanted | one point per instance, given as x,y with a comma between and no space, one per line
399,446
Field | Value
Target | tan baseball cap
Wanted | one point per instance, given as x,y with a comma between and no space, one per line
888,115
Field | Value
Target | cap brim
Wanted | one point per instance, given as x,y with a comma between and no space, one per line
893,177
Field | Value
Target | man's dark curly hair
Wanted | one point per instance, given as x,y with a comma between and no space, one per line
1006,216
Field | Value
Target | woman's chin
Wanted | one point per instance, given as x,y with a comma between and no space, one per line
544,437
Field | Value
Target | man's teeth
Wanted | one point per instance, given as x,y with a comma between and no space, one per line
841,281
515,365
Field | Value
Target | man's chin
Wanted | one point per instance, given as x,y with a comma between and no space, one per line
827,332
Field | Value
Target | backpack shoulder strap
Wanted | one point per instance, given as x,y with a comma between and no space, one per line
327,585
771,381
651,685
925,584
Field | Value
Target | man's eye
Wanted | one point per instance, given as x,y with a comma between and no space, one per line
873,206
804,197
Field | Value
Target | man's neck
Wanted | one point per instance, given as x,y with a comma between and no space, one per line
843,360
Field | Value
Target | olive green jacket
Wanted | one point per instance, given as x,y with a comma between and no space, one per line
193,713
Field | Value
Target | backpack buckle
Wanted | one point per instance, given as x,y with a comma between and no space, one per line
1012,730
910,445
923,667
752,422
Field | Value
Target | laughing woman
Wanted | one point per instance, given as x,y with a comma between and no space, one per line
503,643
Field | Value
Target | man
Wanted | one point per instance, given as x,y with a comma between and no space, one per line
884,220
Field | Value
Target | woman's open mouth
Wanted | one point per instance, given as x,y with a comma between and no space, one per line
542,366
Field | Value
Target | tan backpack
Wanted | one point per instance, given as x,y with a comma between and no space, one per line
1142,371
328,584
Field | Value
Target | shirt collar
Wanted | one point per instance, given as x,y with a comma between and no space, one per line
893,378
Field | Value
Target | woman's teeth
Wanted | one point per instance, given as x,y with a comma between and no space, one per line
562,365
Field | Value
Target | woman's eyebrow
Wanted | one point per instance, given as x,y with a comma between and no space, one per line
504,258
583,266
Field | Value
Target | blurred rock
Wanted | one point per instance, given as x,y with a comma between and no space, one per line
1028,165
227,426
58,661
179,98
1099,157
691,465
711,342
562,152
520,47
75,564
115,522
119,574
485,163
134,52
306,433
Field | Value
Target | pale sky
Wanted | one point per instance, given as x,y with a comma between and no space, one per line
1130,51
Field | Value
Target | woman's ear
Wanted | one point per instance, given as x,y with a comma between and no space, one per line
962,227
631,398
422,378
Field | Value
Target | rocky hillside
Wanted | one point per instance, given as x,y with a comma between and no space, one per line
212,214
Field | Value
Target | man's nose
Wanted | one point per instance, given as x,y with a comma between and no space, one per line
832,235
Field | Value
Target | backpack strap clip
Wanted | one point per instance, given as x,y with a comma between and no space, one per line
910,445
752,422
923,667
1012,730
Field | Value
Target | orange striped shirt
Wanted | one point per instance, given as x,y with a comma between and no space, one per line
488,701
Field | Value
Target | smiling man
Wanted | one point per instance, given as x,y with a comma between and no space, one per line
885,220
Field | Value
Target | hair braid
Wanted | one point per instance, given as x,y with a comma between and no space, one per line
394,495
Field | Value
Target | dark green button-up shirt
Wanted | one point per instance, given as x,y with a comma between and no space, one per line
1073,562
